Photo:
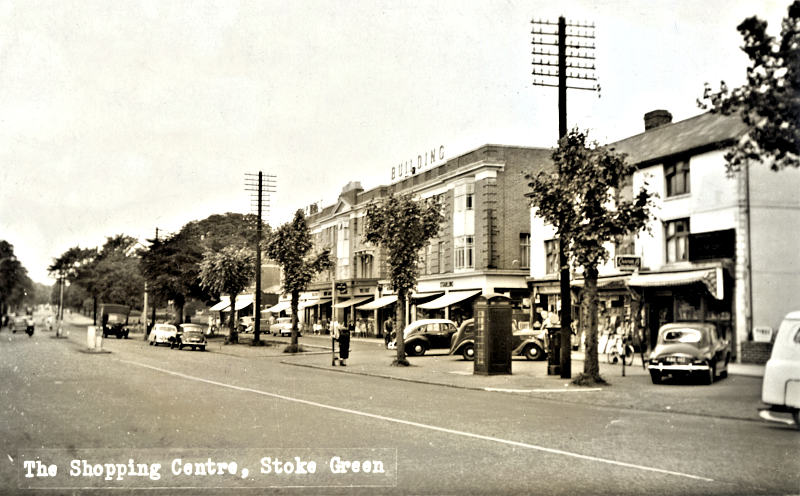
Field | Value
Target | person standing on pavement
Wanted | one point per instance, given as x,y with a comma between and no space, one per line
344,343
387,332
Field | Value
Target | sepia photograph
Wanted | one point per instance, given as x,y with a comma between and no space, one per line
400,247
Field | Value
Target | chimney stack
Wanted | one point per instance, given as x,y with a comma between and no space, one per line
656,118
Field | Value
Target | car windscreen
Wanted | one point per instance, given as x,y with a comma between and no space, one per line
687,335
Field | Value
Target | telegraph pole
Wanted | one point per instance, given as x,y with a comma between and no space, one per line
265,184
571,63
153,320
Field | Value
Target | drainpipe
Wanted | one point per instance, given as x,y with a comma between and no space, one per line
749,305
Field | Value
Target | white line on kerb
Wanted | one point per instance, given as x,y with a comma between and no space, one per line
425,426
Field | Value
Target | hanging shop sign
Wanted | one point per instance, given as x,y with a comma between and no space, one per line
424,161
628,262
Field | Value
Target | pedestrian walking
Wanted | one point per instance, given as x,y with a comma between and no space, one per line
387,332
344,343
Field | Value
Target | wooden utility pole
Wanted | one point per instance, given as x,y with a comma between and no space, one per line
265,184
571,48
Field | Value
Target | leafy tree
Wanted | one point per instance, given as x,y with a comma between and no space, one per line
116,272
71,266
229,270
15,284
582,199
290,246
402,226
769,103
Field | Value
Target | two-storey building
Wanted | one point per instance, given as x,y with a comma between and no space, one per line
721,248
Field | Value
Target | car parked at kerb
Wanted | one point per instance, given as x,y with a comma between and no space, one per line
282,327
780,390
689,349
190,336
427,334
525,342
163,334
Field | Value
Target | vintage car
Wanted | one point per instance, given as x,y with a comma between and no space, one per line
282,327
780,390
163,334
114,319
190,335
427,334
22,323
689,349
526,342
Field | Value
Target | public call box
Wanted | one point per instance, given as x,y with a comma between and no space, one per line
493,335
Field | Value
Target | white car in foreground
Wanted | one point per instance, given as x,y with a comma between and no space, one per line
781,387
163,334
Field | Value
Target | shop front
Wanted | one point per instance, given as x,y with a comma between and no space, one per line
376,313
454,305
703,295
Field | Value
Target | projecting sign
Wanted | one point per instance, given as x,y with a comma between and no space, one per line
628,262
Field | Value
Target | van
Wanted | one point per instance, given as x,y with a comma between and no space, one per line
780,390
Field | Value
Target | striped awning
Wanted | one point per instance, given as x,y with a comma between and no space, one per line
379,303
712,278
351,302
449,299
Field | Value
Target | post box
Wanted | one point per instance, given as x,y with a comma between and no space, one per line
493,335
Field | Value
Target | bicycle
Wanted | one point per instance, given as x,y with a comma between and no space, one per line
619,349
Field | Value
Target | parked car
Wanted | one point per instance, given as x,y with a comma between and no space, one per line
781,387
427,334
22,323
526,342
689,349
114,320
282,327
190,335
163,334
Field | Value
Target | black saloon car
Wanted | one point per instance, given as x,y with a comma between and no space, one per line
689,349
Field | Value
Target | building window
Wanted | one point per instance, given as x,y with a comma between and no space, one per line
465,197
676,176
677,236
551,256
524,250
365,266
440,257
465,252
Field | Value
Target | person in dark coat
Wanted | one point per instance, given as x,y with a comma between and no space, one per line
387,332
344,343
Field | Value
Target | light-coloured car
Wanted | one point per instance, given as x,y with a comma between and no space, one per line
22,323
163,334
781,387
282,327
690,349
190,336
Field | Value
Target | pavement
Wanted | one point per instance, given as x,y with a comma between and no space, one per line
736,397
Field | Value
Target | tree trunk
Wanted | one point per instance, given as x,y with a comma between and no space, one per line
233,335
400,320
295,302
591,366
94,310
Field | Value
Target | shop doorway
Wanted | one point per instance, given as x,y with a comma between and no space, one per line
660,312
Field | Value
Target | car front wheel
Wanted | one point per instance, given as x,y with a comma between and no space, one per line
533,352
416,349
468,352
796,417
655,376
712,371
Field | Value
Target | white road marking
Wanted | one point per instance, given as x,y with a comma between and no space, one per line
543,390
426,426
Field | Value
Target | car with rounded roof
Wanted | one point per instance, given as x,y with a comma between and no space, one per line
163,334
190,336
525,341
282,327
686,349
780,390
427,334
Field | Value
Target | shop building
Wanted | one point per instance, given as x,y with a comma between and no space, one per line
721,248
483,246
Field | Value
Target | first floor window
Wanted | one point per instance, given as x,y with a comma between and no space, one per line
465,252
551,256
524,250
677,236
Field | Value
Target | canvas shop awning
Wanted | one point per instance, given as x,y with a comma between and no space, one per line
448,299
312,303
712,278
243,301
279,307
222,305
351,302
379,303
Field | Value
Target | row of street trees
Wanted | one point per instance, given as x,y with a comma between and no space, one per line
15,285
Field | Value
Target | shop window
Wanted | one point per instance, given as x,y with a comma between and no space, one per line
465,252
677,238
676,175
524,250
551,254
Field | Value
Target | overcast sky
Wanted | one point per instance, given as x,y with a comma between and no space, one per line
123,116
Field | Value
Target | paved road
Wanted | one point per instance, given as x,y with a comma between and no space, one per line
60,403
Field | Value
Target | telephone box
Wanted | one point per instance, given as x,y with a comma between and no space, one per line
492,335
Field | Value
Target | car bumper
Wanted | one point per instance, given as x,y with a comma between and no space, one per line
678,368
